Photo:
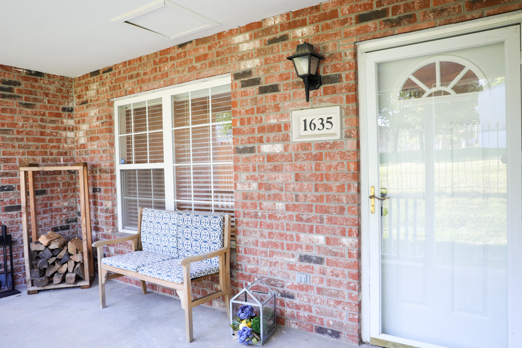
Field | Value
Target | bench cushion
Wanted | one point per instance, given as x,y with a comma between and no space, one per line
200,233
133,260
172,272
159,231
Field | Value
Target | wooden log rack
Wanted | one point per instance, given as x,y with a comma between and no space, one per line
28,184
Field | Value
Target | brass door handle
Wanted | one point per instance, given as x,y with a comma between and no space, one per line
373,197
379,198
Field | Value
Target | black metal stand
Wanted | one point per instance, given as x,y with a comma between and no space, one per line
7,286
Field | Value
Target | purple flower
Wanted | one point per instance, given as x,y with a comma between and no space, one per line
245,312
244,334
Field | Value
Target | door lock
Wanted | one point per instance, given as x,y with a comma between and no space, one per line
373,197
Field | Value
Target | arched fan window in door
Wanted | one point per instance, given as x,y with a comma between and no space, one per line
441,76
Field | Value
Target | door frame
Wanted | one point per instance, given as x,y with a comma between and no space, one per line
367,143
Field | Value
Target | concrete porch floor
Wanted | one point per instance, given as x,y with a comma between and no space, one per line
72,317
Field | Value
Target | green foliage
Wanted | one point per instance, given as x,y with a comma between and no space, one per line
256,325
225,119
235,325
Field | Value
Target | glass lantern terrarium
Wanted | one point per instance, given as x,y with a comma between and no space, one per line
253,314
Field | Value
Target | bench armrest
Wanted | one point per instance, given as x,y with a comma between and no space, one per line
114,241
201,257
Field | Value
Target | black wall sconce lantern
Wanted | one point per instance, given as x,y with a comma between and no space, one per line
306,63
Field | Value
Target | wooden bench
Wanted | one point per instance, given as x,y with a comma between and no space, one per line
171,249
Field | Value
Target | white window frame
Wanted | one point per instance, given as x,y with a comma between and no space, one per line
168,165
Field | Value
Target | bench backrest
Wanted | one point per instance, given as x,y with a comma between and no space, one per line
159,231
181,234
200,233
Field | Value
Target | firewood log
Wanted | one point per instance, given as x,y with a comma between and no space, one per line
62,253
58,243
51,269
57,278
46,254
65,258
43,281
36,273
78,269
70,266
62,269
46,239
75,246
77,257
70,278
37,246
42,264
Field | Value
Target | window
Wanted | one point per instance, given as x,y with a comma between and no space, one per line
442,76
175,151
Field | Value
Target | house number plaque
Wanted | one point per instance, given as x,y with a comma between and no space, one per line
316,124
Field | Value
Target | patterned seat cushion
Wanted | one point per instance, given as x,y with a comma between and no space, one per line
200,233
159,231
132,261
172,272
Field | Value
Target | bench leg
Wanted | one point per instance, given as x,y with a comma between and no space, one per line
227,303
187,299
143,287
102,279
223,284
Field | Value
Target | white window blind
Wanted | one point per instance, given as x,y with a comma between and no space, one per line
175,151
203,150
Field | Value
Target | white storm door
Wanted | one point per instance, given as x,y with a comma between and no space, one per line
444,151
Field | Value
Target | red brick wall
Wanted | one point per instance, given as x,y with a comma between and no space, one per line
297,204
36,126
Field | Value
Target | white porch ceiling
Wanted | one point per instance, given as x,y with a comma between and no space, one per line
74,37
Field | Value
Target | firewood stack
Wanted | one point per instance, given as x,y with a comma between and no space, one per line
55,260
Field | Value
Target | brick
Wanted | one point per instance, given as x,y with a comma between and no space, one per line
472,5
371,15
12,208
269,89
399,21
251,82
9,82
34,73
6,188
242,75
440,12
328,332
6,89
340,263
338,294
357,8
301,22
245,149
331,79
277,39
411,6
317,260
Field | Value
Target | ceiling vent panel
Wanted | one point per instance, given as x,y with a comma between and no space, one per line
167,19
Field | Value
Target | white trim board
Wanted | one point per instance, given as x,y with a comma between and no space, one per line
436,33
386,43
168,88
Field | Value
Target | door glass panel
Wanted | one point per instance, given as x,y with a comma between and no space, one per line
442,148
